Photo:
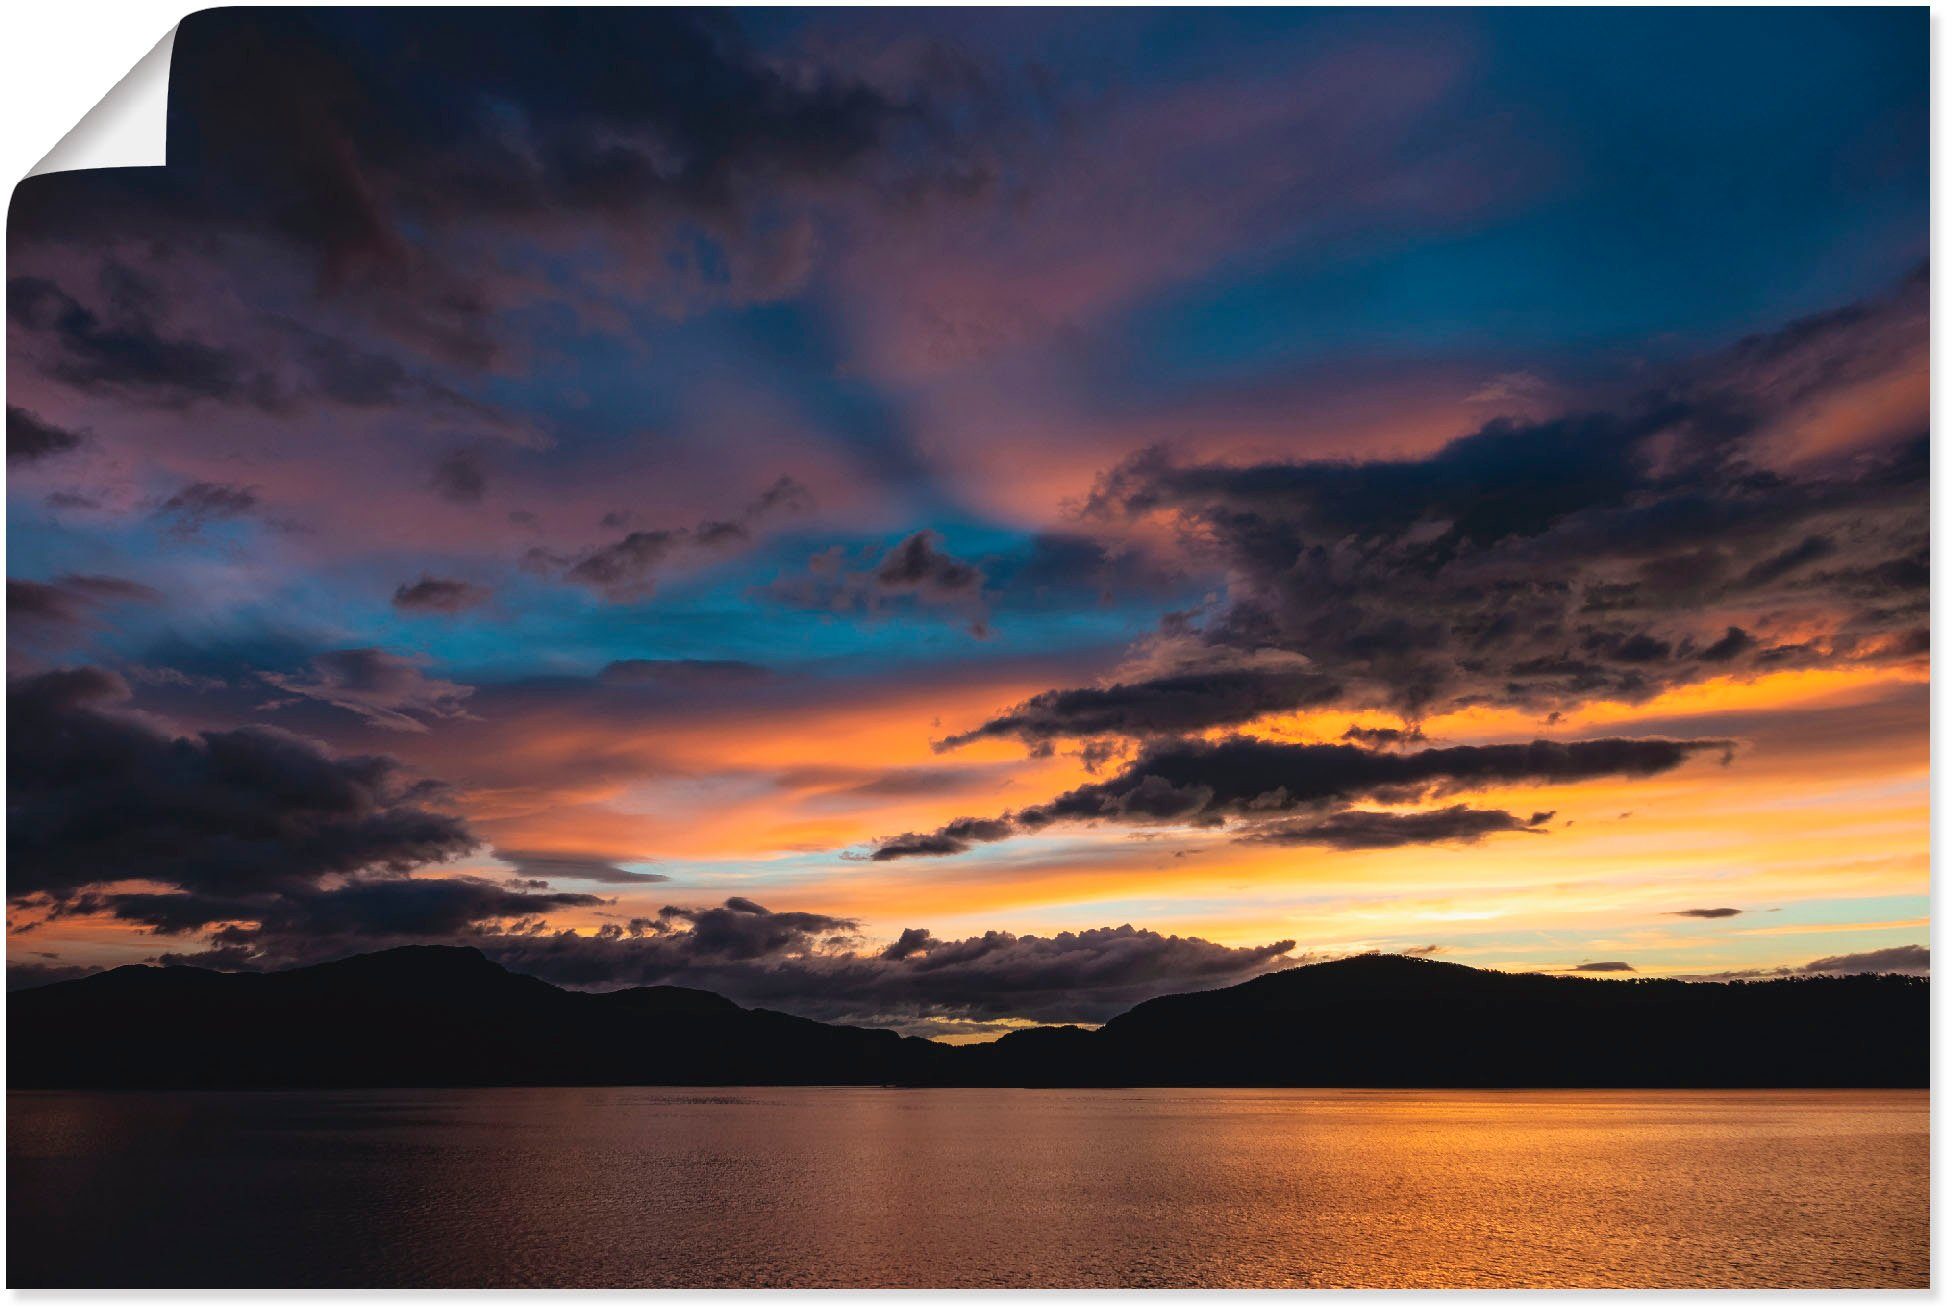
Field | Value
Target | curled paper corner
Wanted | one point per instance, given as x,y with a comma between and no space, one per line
128,127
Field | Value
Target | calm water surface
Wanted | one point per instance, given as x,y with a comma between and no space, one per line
870,1187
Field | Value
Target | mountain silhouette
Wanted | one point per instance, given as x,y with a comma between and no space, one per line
419,1016
1390,1020
448,1016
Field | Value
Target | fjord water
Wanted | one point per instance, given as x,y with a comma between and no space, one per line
800,1186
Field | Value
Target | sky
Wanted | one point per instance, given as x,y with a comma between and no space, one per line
956,519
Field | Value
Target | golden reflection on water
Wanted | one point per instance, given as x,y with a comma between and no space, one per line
872,1187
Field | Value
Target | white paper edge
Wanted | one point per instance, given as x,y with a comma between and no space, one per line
128,127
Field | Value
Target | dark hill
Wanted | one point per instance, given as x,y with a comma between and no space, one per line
431,1016
1387,1020
421,1016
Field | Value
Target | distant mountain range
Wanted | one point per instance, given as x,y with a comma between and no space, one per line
448,1016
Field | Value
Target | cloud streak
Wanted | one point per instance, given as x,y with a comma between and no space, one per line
1209,784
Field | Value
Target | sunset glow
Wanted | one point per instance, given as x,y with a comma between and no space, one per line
1057,479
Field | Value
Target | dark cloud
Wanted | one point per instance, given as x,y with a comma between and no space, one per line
1210,783
545,866
1382,737
1602,556
915,569
741,930
362,911
70,600
954,838
405,162
1540,565
1893,959
792,961
911,942
270,848
1603,966
31,439
38,602
1732,644
1244,775
919,565
439,595
200,504
805,962
1773,569
671,111
100,795
627,569
1363,829
129,353
460,477
1704,913
1166,705
787,495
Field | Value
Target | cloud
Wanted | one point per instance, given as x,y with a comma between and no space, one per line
439,595
1383,737
699,114
546,866
1171,704
741,929
911,942
1894,959
1732,644
100,795
460,478
1603,966
802,961
30,439
387,690
1542,565
954,838
786,495
915,569
200,504
1604,555
1209,783
40,603
919,565
339,918
628,568
414,189
791,961
1362,829
71,600
1703,913
130,354
271,848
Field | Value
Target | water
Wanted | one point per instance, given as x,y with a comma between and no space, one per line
870,1187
